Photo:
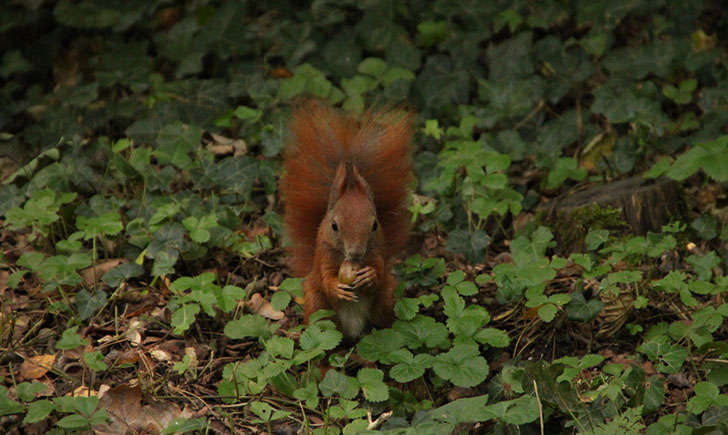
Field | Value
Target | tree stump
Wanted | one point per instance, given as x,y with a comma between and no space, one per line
635,205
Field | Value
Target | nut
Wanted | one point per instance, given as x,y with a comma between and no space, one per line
347,272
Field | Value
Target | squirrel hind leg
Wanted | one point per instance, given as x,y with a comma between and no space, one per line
383,307
312,301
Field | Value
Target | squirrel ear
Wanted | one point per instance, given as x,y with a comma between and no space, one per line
347,178
338,186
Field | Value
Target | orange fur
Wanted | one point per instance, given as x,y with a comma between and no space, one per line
374,147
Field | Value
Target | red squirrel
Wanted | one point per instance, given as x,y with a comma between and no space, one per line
345,189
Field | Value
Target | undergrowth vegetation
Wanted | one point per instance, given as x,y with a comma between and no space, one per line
143,283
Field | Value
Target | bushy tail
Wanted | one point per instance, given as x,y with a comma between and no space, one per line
377,143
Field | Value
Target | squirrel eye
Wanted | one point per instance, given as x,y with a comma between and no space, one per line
334,226
375,226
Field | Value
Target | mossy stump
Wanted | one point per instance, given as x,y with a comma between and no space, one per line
634,205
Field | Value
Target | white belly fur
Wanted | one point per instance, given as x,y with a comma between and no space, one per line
354,316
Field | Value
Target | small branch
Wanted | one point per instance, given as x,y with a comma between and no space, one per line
381,419
540,407
528,117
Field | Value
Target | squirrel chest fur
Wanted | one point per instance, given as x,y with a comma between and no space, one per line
345,189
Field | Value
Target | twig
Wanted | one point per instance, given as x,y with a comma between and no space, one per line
540,408
528,117
381,419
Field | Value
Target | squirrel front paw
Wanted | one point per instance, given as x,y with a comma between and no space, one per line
345,293
364,277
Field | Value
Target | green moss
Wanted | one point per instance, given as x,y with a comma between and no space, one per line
571,227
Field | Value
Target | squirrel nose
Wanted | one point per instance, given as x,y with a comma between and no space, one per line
355,253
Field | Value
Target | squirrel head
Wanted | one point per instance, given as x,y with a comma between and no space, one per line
350,225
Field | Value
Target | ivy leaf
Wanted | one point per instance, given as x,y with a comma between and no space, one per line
471,244
581,310
670,357
121,273
175,142
87,304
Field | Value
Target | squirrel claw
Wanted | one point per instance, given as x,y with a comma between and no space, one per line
344,292
364,276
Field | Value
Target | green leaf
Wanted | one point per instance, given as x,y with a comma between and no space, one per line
595,238
87,305
462,365
108,224
27,391
185,425
279,346
492,337
547,312
670,357
466,410
406,308
74,422
280,300
409,368
706,394
565,168
309,393
13,62
183,317
121,273
432,32
378,345
175,142
70,339
372,384
582,310
423,330
37,411
95,361
248,114
472,245
372,66
249,325
8,406
654,394
340,384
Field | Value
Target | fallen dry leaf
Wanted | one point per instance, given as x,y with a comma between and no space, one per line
133,332
224,145
123,405
92,274
36,366
258,305
130,356
4,275
161,355
83,391
190,352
